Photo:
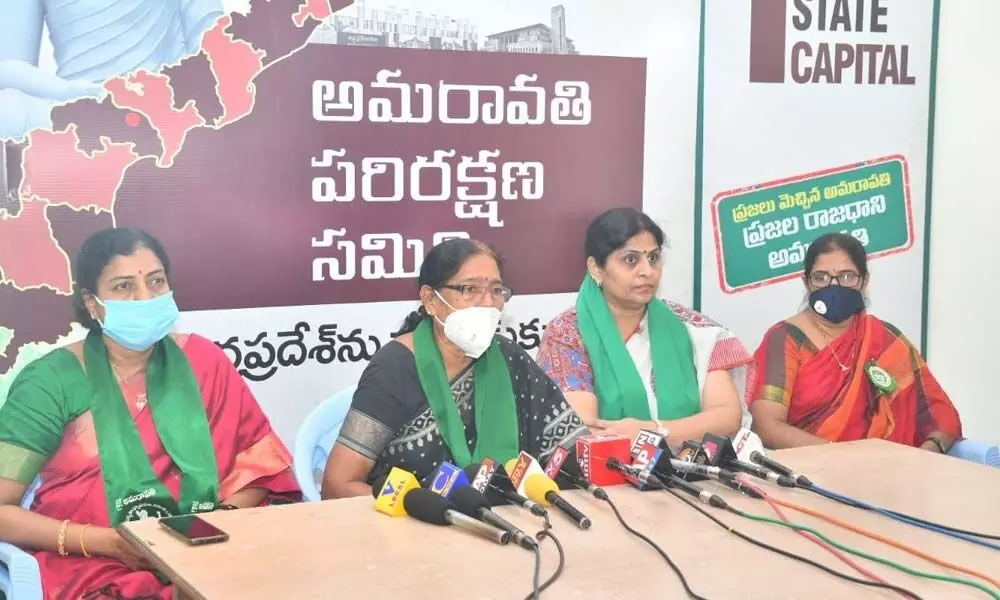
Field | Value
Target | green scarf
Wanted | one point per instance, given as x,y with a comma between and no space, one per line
496,412
619,388
174,399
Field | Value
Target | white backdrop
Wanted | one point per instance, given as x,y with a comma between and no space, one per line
761,132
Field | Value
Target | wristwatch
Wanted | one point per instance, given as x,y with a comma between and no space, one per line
226,507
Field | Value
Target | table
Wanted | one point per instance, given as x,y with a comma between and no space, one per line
344,549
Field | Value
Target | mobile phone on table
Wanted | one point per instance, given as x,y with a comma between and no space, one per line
194,530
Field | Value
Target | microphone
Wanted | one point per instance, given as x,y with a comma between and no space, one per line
424,505
470,502
498,489
554,470
722,453
446,478
703,495
701,471
593,452
645,477
763,460
556,461
543,490
519,468
745,442
390,491
648,449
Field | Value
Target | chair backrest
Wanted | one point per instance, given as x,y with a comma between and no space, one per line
315,439
981,452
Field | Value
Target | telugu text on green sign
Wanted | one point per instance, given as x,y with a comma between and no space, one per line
762,234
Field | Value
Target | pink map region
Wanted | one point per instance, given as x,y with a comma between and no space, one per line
30,231
234,64
58,172
150,95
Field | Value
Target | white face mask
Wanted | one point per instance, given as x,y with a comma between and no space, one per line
471,329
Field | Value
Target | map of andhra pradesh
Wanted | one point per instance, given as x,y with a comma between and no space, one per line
85,177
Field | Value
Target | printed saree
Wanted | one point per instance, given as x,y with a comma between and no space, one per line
44,433
564,357
841,405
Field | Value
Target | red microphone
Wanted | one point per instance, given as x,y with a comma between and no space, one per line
593,452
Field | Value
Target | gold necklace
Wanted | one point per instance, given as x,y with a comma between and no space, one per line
829,340
140,399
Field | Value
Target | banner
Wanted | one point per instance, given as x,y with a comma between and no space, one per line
815,119
297,159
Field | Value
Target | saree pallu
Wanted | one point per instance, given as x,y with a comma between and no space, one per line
247,451
842,404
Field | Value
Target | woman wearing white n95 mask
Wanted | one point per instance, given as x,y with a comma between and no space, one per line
447,389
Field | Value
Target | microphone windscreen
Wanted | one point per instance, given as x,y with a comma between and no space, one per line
537,486
424,505
468,501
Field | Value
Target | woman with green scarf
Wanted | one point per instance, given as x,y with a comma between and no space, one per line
447,389
626,360
133,422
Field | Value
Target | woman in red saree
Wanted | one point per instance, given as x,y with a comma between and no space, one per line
834,372
131,423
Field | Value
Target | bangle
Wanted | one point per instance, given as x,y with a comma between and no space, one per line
61,539
83,547
937,443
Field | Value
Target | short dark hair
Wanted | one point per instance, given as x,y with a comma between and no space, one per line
95,255
609,232
829,242
440,265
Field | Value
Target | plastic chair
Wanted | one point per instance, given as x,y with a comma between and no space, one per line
315,440
19,575
976,451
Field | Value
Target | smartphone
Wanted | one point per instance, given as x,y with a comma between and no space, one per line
194,530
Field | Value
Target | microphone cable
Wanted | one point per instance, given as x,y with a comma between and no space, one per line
536,589
786,554
968,536
546,532
775,503
687,588
805,483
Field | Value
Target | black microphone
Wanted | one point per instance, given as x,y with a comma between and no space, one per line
701,494
541,488
583,484
761,473
642,475
469,501
722,453
424,505
761,459
491,480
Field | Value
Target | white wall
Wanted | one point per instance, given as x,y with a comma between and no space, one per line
965,274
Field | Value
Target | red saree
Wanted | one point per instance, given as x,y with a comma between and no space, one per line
841,405
248,454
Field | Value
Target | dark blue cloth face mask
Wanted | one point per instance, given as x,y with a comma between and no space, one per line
836,303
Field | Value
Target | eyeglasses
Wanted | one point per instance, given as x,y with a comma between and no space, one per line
844,278
471,292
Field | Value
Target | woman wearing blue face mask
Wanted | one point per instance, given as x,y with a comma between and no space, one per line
447,389
834,372
134,422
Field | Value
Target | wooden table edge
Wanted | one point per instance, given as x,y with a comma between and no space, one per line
183,589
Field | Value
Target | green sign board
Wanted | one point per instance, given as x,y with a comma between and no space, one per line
762,232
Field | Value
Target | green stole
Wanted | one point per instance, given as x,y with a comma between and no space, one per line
617,383
496,411
174,399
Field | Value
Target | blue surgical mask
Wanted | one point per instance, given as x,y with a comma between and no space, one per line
836,303
138,324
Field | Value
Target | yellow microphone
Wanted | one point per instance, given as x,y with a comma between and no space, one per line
540,488
519,468
389,496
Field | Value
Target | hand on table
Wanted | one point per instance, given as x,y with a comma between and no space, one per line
113,545
627,427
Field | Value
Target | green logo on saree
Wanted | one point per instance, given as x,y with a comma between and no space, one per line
880,378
